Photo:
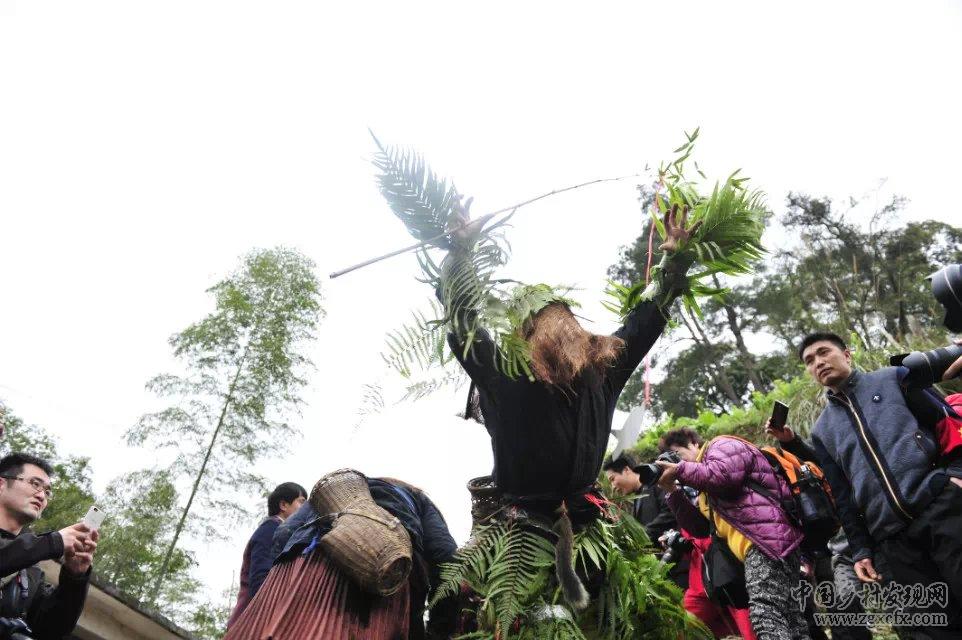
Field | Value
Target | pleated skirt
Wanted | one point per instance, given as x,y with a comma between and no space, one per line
308,598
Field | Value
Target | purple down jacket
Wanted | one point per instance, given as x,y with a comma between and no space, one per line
726,467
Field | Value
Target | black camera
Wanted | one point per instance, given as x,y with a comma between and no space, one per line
650,473
947,289
927,368
676,545
14,629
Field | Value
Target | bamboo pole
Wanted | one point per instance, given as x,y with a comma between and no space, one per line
483,220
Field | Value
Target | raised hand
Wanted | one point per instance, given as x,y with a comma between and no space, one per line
462,228
676,231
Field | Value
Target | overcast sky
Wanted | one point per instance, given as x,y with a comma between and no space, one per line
145,146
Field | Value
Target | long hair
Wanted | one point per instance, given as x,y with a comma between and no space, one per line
561,349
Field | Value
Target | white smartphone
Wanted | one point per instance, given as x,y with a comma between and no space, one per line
94,518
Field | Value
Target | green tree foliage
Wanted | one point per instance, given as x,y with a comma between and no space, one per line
141,512
73,493
209,621
244,372
804,397
834,273
142,508
868,278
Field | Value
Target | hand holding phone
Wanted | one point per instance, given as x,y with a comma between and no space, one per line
776,424
779,416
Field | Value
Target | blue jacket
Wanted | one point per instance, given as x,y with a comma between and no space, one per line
260,556
255,565
876,443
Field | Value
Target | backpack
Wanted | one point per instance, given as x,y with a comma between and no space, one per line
722,574
813,506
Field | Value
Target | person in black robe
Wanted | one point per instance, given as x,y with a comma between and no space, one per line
549,435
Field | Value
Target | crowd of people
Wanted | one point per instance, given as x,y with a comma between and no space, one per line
741,524
885,454
891,454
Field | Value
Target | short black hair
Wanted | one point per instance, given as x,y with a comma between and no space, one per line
619,464
821,336
680,437
11,465
286,492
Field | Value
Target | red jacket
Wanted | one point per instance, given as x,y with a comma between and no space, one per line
949,429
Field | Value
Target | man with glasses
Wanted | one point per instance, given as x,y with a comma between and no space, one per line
50,612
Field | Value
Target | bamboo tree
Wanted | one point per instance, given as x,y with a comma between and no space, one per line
244,371
142,510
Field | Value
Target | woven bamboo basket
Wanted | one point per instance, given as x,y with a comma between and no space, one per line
339,490
485,499
366,542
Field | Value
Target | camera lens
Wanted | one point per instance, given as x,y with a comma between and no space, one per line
649,474
927,368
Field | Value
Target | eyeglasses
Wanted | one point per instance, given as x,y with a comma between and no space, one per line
36,483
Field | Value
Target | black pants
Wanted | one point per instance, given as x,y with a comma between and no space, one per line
929,550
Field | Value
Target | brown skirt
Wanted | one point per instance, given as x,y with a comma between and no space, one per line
310,599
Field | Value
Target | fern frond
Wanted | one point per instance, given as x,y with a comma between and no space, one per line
420,343
637,599
417,196
728,239
623,299
464,280
448,379
470,562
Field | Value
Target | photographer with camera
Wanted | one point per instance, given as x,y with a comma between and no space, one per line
740,508
691,539
651,510
890,448
29,606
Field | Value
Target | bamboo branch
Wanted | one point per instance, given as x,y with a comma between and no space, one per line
483,219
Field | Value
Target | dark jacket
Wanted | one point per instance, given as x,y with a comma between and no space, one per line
51,612
256,564
727,467
651,509
282,534
550,441
877,443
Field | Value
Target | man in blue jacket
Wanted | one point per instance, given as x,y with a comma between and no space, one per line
877,440
283,502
